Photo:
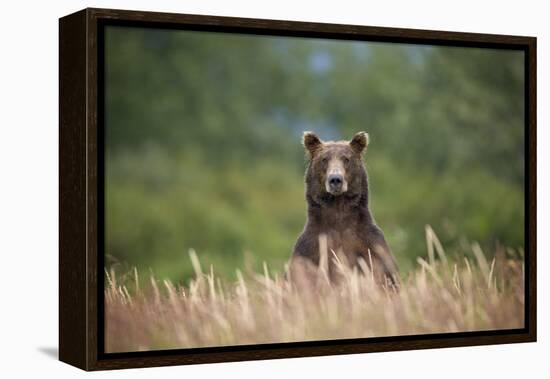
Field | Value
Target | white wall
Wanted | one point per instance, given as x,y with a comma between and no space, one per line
28,200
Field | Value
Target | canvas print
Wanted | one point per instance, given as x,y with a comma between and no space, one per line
267,189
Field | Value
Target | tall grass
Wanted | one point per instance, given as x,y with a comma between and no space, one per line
442,294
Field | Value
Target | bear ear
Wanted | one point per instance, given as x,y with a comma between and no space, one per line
311,142
359,142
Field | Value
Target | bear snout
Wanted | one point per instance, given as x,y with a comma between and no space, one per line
335,184
335,181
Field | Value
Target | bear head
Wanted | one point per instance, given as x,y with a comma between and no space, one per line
335,169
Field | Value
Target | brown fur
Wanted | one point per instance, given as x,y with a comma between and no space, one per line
344,218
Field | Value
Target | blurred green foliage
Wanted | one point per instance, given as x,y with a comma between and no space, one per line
203,143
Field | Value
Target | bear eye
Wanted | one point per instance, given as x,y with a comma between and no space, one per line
345,160
324,160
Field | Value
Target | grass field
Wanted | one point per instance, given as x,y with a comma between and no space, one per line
442,294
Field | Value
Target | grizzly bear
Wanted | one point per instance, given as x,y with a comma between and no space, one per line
338,216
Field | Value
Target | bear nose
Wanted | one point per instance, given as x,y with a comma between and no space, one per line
335,181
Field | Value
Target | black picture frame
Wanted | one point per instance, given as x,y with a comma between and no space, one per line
81,160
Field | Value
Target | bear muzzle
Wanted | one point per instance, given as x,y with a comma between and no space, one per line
336,184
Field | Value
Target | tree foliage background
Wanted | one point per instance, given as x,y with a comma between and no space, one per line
203,143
